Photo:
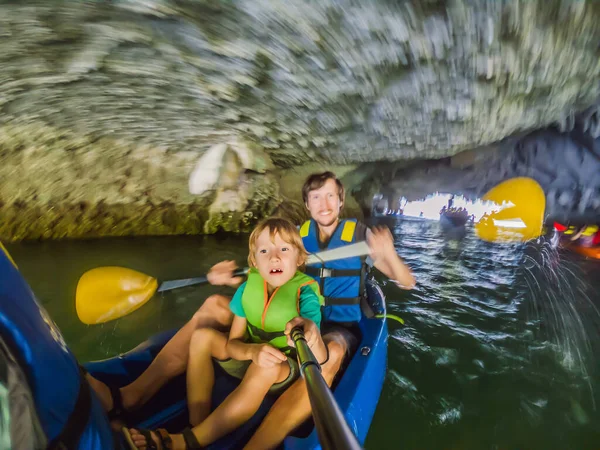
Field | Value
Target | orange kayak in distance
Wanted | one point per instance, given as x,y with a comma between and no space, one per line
590,252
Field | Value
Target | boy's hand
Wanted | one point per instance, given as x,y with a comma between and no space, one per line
267,356
311,331
221,274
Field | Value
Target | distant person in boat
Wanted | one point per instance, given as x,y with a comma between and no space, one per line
582,236
257,349
323,196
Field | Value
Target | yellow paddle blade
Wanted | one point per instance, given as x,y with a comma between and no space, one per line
518,215
107,293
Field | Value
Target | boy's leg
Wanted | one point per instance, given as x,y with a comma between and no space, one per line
205,344
237,408
172,359
292,408
242,403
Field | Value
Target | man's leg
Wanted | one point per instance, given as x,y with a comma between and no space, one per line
293,407
172,359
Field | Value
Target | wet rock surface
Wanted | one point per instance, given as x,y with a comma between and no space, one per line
566,164
112,104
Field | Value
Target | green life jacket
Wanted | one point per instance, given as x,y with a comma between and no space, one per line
266,316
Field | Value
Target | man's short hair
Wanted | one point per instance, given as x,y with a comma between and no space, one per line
317,181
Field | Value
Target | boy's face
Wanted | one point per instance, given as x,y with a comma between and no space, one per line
324,203
277,260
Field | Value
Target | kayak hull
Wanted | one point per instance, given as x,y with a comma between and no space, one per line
357,392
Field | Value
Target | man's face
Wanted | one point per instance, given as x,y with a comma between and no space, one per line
324,204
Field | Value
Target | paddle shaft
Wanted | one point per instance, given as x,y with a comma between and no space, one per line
346,251
174,284
332,429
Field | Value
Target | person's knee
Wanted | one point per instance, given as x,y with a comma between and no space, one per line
337,346
261,371
201,339
214,310
337,350
211,306
266,375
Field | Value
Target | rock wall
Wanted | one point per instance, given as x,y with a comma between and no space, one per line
566,165
106,108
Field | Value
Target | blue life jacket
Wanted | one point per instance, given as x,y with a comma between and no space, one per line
69,412
341,281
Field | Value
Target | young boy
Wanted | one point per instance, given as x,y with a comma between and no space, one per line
257,349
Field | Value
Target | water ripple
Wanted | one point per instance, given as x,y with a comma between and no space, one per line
496,337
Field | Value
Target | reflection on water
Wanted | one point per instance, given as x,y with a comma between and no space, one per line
53,269
498,347
497,351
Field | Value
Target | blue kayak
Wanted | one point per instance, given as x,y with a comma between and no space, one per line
357,391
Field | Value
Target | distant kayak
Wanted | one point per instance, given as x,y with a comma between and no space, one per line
584,240
590,252
452,219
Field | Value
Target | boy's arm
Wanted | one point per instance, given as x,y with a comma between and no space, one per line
262,354
311,302
236,347
310,320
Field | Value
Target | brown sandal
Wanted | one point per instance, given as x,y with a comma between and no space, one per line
118,411
162,434
191,443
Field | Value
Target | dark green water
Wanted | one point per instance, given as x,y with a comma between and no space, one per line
499,350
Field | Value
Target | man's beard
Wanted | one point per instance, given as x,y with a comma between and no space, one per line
327,222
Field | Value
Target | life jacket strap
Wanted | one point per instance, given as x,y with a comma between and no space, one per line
263,335
69,437
337,301
324,272
268,336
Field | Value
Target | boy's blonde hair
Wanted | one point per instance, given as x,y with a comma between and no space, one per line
286,230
